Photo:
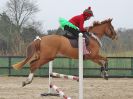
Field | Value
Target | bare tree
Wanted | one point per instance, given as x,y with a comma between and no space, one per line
20,11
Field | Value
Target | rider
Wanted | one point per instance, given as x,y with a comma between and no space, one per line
76,24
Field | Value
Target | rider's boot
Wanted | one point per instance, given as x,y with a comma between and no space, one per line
86,52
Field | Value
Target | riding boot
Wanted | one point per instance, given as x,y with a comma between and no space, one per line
86,36
85,51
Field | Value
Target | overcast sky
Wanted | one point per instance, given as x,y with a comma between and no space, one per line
50,10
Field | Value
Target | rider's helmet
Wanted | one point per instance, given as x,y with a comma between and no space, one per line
88,12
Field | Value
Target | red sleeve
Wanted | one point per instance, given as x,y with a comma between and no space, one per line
81,26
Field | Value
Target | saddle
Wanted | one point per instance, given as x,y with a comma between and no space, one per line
74,39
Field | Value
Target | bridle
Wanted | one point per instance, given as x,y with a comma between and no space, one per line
110,32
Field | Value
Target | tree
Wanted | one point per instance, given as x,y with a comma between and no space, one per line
29,33
6,29
20,11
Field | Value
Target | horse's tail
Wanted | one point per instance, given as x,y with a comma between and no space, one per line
33,51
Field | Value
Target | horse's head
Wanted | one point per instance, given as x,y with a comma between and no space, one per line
109,30
103,28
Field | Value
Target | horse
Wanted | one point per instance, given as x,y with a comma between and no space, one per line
44,49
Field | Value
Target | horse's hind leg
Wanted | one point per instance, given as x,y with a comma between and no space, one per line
33,66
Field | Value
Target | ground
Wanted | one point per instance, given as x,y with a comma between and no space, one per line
94,88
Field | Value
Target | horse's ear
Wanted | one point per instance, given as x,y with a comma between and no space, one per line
110,19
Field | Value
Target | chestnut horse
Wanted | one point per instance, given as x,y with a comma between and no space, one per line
46,48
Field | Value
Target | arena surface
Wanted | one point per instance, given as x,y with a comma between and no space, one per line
94,88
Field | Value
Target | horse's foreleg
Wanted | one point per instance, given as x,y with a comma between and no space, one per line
104,67
103,62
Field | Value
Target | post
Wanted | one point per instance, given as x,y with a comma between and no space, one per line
80,66
9,66
50,71
132,66
50,91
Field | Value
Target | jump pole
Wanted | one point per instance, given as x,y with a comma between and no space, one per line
80,65
50,78
65,76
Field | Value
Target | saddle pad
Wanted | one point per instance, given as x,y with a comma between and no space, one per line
74,43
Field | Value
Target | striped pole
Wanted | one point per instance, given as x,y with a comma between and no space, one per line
50,71
61,93
65,76
80,66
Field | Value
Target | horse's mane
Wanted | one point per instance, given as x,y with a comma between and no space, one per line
96,23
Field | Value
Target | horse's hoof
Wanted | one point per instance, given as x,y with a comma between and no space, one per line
104,75
23,84
106,78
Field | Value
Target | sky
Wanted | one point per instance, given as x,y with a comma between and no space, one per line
51,10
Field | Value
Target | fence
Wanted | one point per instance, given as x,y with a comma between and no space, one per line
118,67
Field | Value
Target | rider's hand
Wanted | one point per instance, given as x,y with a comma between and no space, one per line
87,29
